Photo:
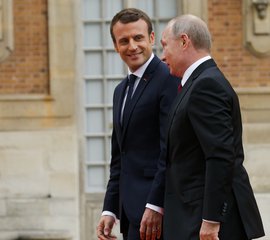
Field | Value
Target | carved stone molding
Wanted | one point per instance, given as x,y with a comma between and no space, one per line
256,24
6,28
261,7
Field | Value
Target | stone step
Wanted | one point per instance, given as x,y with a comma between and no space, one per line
8,235
52,235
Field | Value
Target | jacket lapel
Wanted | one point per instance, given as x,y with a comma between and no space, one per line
207,64
175,104
144,81
193,77
118,106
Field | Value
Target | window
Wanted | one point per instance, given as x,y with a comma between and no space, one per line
102,71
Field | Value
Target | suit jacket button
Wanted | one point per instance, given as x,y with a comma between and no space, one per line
224,209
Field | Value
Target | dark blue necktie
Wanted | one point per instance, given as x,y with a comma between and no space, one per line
127,107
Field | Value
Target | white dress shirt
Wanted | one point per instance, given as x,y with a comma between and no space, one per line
191,69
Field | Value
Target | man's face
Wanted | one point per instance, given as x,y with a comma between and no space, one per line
133,43
172,52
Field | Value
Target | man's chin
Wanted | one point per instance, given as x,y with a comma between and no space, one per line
135,64
171,71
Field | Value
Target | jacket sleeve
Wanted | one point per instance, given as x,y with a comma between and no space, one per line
210,112
112,200
167,96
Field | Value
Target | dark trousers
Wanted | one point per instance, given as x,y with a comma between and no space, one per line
133,233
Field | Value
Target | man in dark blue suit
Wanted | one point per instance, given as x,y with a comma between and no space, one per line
208,195
141,102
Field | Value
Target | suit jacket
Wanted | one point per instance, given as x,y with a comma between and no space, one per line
138,148
205,176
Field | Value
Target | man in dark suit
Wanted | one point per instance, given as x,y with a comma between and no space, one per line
208,195
135,191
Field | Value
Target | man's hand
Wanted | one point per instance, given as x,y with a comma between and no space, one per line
209,231
151,225
104,228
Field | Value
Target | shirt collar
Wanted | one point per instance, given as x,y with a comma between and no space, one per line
192,67
140,71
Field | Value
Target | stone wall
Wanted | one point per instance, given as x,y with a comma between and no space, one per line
38,183
26,69
39,166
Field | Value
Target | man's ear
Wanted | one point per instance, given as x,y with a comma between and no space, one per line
115,47
184,39
152,38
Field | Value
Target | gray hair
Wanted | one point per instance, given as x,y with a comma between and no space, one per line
195,28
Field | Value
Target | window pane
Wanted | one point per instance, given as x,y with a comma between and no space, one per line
92,35
95,150
158,31
114,64
93,63
94,92
110,124
166,9
146,6
96,178
91,9
108,40
94,121
112,7
111,84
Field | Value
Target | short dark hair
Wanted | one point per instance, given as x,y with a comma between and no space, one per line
128,15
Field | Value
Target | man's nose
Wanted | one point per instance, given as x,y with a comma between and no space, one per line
132,45
162,57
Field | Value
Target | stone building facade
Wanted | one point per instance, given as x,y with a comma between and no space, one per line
52,171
